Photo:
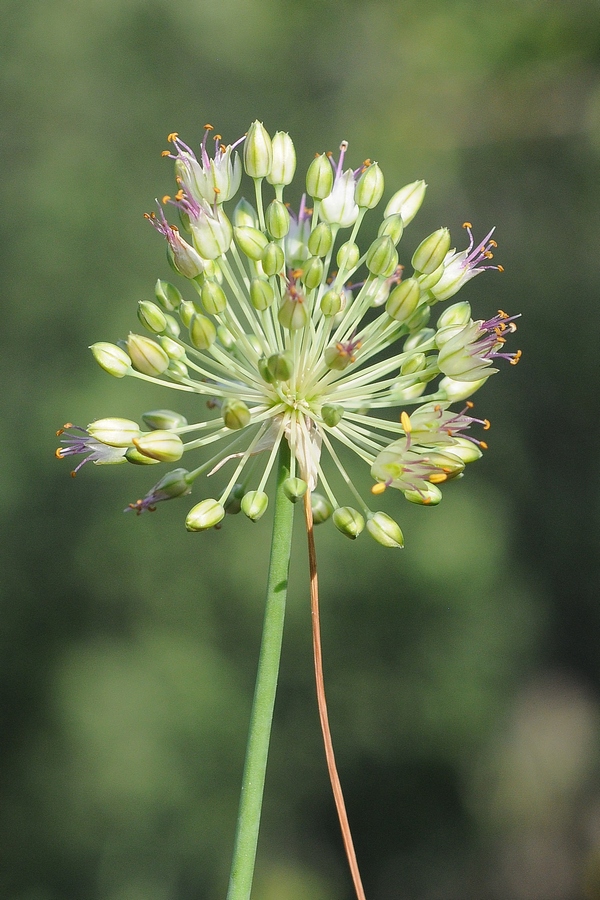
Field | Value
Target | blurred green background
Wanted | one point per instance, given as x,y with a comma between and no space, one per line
463,674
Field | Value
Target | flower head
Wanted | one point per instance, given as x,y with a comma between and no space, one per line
290,332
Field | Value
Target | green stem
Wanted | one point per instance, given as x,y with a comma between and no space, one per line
253,780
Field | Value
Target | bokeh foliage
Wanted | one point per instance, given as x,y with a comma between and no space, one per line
462,673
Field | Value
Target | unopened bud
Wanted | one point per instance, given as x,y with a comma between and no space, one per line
261,293
133,455
177,370
393,226
426,496
167,295
431,252
204,515
428,282
348,255
212,234
165,446
332,303
226,339
415,363
454,390
244,214
312,272
277,219
457,314
163,419
369,187
146,355
349,521
420,318
407,201
294,488
235,414
187,311
251,241
465,450
111,358
403,300
172,328
320,240
382,256
233,504
203,332
151,316
213,298
254,504
332,413
280,367
272,259
258,151
384,530
321,508
283,165
114,431
293,313
319,177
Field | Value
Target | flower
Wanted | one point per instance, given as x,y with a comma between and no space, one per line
98,452
282,342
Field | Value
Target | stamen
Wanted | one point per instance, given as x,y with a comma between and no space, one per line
166,199
379,488
172,137
438,478
166,153
405,422
516,358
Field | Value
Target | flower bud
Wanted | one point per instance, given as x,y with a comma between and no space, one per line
320,240
133,455
226,339
415,363
403,300
418,339
187,311
261,293
431,252
382,256
332,413
213,298
321,508
251,241
204,515
177,371
384,530
312,272
163,419
258,151
263,368
173,484
464,449
277,219
393,226
280,367
293,313
283,166
348,255
349,521
172,327
233,504
407,201
454,390
146,355
428,282
165,446
203,333
443,335
111,358
151,316
245,215
427,496
331,303
273,259
319,177
183,258
369,187
254,504
235,414
167,295
339,207
212,234
420,318
457,314
114,431
294,488
338,357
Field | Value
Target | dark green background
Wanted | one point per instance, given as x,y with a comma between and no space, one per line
463,673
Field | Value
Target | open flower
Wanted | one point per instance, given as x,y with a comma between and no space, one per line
284,337
98,452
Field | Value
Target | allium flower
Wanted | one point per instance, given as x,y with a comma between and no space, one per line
284,336
96,451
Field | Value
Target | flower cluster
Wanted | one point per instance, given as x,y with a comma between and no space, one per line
292,333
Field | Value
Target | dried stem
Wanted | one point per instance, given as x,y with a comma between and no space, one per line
322,703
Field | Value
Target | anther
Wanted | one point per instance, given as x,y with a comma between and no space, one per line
492,244
483,445
516,357
467,225
179,195
209,128
379,488
470,404
218,137
405,422
172,137
59,450
486,424
438,478
500,268
166,198
166,153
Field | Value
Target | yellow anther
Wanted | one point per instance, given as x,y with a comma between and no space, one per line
64,428
516,358
172,137
500,268
367,163
438,478
483,445
209,127
488,254
59,451
405,422
217,137
165,199
179,195
486,424
492,243
217,190
166,153
467,225
179,179
470,404
379,488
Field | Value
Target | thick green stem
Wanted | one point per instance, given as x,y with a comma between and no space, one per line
253,781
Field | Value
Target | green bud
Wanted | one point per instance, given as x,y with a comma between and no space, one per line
419,318
312,272
321,508
450,464
263,368
254,504
173,484
146,355
204,515
431,252
349,521
165,446
202,332
416,340
111,358
369,187
171,347
280,367
414,363
114,431
337,357
167,295
213,298
245,215
233,504
212,234
261,293
445,334
457,314
348,255
273,259
382,256
332,303
163,419
251,241
319,177
320,240
258,151
293,313
455,391
294,489
407,201
465,450
284,160
403,300
393,226
235,414
187,311
428,496
429,281
277,219
151,316
133,455
332,413
172,328
226,339
384,530
177,371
